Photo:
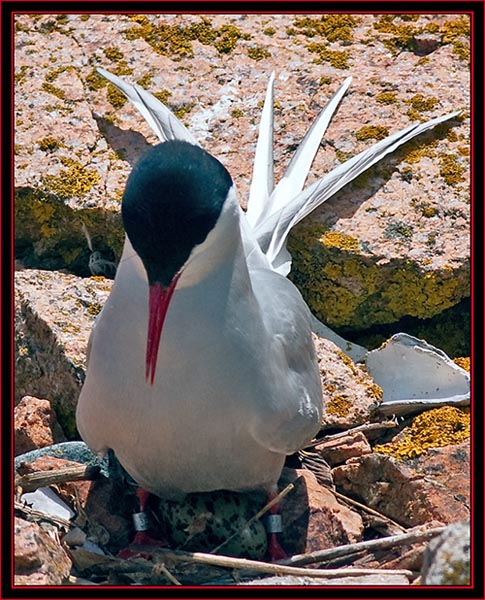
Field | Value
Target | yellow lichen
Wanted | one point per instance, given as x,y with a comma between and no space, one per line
258,53
176,40
116,98
113,53
451,170
94,309
163,95
334,27
52,89
463,362
376,132
182,110
402,33
340,240
49,143
386,97
346,289
75,181
432,429
420,103
337,58
338,406
95,81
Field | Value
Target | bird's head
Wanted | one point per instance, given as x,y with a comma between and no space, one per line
172,201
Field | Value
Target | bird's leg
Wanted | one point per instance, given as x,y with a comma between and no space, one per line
142,526
275,551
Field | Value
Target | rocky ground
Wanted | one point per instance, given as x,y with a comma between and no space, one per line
388,252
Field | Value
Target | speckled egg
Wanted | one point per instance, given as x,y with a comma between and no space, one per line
202,521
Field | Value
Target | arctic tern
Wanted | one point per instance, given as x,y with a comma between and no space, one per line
225,383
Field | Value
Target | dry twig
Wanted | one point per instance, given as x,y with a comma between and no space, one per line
32,481
262,567
370,545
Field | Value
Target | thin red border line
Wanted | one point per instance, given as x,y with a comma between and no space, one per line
472,14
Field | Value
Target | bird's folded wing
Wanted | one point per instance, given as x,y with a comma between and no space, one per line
264,199
273,231
161,119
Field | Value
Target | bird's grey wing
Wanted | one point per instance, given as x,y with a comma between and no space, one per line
291,413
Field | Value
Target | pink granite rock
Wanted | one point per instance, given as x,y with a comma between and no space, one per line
393,243
35,425
39,558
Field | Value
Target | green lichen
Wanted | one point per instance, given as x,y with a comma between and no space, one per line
397,230
73,182
182,110
269,31
375,132
237,113
432,429
451,170
258,53
337,58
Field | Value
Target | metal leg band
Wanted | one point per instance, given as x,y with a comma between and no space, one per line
274,524
140,521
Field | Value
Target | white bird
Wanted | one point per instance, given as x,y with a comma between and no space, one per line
226,383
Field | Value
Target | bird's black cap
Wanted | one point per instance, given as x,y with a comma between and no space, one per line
172,200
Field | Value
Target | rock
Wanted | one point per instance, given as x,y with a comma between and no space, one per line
447,558
54,314
349,394
35,425
102,506
425,44
39,558
338,450
395,242
401,492
313,519
380,579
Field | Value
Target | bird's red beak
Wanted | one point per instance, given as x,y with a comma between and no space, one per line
159,300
